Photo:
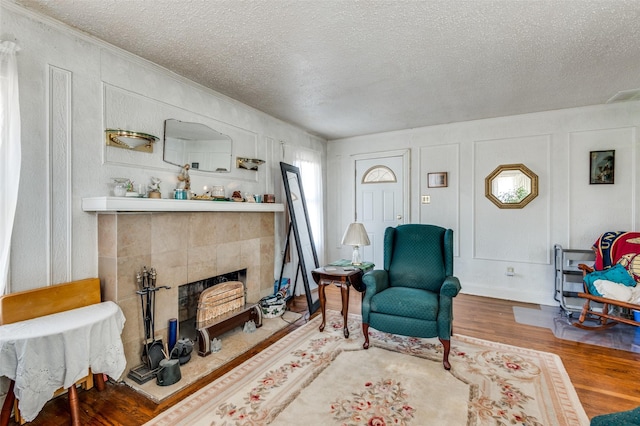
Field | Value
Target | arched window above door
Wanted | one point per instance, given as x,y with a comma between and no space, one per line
379,174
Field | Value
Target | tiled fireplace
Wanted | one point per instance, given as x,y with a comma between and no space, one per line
183,247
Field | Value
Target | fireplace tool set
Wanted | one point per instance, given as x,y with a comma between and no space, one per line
153,349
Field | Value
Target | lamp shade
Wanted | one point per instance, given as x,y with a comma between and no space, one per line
355,235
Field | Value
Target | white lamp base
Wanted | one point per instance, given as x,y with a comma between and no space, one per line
355,257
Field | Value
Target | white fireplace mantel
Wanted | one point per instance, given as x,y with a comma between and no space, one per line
130,204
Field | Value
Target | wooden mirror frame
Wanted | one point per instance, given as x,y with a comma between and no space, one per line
488,183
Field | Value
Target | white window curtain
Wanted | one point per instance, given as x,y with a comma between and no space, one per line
10,155
310,164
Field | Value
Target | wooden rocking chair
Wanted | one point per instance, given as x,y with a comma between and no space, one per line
610,248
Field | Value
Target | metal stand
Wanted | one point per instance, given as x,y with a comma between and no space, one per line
153,350
286,249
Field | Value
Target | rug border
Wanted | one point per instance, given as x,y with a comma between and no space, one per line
559,377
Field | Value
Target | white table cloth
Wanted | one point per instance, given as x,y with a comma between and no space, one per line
44,354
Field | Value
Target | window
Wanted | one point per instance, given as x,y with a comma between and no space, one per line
310,164
379,174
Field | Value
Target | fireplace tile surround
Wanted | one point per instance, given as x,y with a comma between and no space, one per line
183,247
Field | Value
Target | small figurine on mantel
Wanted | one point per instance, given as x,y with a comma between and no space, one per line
154,188
183,177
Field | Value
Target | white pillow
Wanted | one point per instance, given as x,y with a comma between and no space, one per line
613,290
635,295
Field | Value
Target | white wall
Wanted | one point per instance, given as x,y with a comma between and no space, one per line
72,88
569,211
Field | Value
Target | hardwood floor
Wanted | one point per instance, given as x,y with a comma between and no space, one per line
606,380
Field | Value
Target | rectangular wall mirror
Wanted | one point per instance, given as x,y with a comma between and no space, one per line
200,146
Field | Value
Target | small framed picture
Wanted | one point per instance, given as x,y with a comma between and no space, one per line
602,167
437,180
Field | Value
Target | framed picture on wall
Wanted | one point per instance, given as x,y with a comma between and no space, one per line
601,167
437,180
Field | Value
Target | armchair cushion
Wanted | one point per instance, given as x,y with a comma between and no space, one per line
406,302
623,418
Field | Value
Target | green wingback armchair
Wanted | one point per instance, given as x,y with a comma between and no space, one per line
413,294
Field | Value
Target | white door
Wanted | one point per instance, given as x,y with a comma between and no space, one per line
380,200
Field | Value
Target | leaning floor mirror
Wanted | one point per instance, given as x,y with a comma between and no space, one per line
301,227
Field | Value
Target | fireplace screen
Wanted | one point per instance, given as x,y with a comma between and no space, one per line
189,299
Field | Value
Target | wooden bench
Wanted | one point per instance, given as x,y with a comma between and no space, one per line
25,305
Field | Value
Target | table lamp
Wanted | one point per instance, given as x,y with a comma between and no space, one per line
356,236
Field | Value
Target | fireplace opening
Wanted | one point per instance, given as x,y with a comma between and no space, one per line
189,296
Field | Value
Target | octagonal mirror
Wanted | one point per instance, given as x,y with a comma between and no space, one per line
511,186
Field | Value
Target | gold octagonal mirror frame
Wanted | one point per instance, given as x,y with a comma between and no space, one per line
511,186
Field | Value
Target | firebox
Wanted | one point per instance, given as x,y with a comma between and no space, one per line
189,296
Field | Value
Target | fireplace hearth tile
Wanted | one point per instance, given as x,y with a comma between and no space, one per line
234,344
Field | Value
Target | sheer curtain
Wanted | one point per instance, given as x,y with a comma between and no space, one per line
10,155
310,164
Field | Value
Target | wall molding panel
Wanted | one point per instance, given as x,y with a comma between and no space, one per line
603,203
124,109
444,205
512,235
60,180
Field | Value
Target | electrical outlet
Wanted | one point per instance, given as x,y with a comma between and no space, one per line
426,199
510,271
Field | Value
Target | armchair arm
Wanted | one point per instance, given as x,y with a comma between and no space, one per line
451,287
375,281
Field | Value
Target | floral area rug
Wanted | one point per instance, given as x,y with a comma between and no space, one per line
315,378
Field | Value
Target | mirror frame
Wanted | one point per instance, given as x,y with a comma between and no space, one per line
488,181
301,226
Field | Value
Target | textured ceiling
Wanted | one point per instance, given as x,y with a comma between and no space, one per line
345,68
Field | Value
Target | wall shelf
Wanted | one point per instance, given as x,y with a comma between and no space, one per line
129,204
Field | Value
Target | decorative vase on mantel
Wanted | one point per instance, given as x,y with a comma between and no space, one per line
155,194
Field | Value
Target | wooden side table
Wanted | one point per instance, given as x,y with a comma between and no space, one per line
343,276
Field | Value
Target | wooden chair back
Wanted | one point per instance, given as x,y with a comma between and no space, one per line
24,305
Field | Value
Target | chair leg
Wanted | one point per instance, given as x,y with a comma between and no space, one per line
8,405
98,379
74,405
446,344
365,331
